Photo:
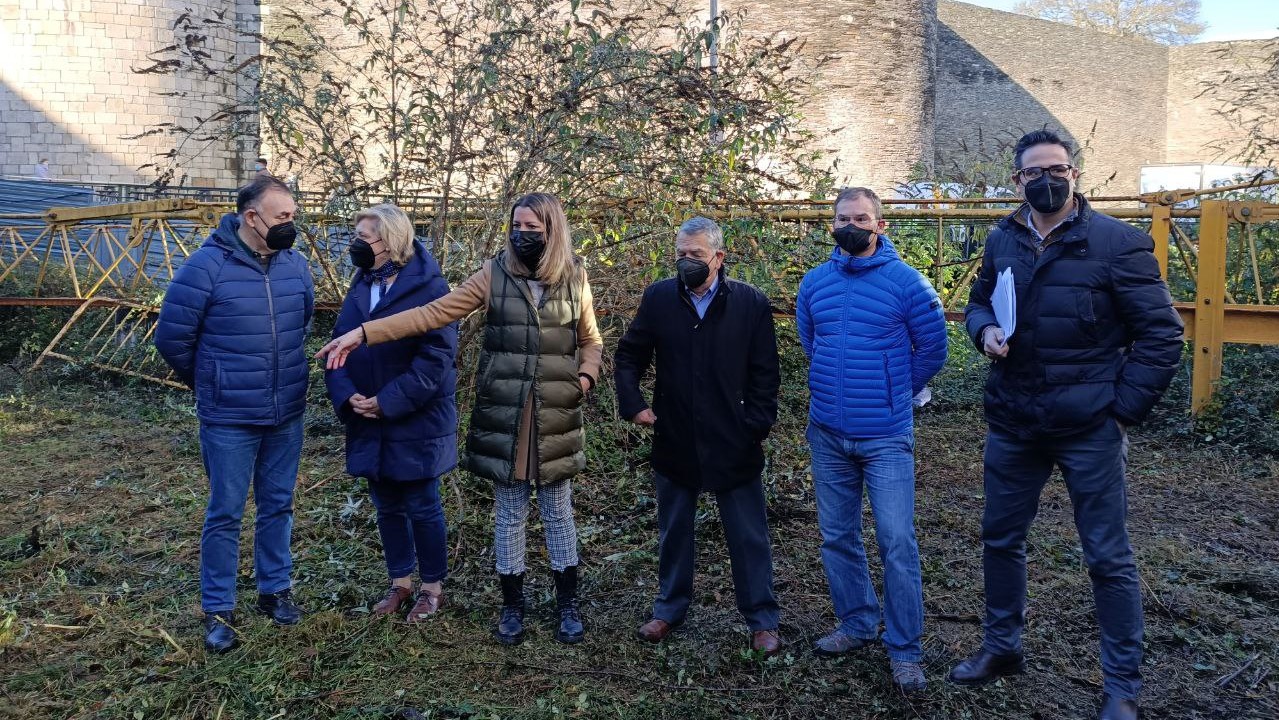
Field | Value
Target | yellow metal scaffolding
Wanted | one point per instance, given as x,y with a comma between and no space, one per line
115,259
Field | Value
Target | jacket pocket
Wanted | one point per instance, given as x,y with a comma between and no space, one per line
1085,305
203,379
1075,395
888,383
218,381
482,376
1086,312
1069,374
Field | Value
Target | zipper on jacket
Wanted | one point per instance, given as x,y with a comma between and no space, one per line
688,302
275,345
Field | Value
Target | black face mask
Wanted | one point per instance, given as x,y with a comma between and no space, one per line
529,246
362,254
692,272
852,239
279,236
1047,194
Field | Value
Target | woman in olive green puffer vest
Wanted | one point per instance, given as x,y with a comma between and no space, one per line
541,356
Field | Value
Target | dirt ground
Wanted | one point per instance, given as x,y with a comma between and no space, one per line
102,494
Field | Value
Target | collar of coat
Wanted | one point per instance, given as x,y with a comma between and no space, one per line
1073,229
724,285
883,255
227,239
407,280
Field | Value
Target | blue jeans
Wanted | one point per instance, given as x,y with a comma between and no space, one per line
411,523
885,469
235,458
1093,466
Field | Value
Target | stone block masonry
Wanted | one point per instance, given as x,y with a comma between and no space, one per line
873,108
1131,102
914,84
68,91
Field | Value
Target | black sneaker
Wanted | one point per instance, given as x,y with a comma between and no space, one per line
280,607
219,631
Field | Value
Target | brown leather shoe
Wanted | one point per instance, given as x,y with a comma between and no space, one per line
767,641
654,630
393,601
427,605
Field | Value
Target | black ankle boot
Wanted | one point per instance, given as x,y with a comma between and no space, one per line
280,607
219,631
510,624
570,629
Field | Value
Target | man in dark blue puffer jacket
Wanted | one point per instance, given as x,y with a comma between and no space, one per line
874,331
1096,342
232,326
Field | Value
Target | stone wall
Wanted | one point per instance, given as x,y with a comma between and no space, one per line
68,91
873,113
912,84
1197,132
1000,74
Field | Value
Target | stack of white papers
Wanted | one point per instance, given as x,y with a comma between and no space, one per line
1004,302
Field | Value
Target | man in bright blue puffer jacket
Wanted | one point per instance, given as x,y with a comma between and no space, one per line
232,326
874,331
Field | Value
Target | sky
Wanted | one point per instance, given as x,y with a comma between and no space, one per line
1226,19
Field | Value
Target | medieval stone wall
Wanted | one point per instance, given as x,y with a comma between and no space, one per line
1198,131
873,111
1001,74
68,91
913,84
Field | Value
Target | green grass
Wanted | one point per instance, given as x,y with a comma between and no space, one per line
103,494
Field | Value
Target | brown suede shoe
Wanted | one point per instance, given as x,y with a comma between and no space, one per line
426,606
654,630
393,601
767,641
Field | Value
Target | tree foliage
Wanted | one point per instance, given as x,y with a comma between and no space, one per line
470,103
483,100
1171,22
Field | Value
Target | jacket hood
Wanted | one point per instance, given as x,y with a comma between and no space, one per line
227,238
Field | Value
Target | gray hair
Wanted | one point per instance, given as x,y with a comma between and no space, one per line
852,193
704,226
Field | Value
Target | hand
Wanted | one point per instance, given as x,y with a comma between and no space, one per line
367,407
338,348
992,341
586,385
645,417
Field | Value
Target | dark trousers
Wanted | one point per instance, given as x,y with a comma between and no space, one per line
1093,465
743,513
410,520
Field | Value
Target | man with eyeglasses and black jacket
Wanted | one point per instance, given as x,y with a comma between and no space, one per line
1096,342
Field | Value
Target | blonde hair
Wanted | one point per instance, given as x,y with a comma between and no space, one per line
558,264
394,228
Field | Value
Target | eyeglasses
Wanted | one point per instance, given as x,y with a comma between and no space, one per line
1034,173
